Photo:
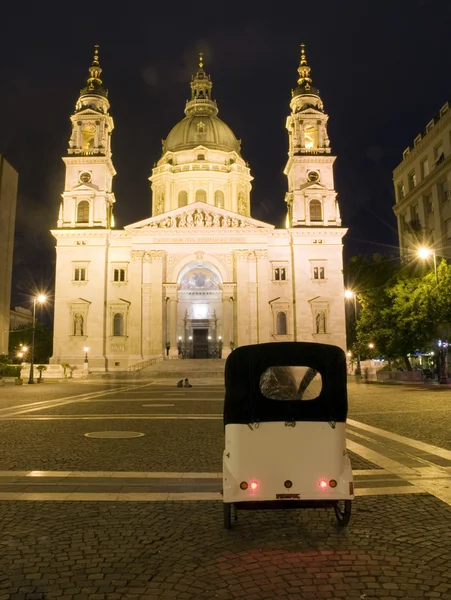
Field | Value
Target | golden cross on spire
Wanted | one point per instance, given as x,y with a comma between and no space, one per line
304,70
201,60
95,60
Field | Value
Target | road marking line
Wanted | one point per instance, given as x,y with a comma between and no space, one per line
429,448
163,496
439,489
148,416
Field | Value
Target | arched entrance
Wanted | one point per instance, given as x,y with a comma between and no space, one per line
199,319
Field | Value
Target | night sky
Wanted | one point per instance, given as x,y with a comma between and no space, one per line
382,68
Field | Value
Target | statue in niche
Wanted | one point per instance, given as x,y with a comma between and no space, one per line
208,220
321,322
190,220
216,221
182,221
78,324
198,218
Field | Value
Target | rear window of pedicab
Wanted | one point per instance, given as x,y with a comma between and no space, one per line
291,383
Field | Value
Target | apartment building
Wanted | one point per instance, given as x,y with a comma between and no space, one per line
422,188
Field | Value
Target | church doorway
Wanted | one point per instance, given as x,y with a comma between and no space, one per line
199,315
200,343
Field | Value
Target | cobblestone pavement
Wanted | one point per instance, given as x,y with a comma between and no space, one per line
86,518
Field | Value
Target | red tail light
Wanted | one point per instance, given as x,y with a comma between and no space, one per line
323,484
253,485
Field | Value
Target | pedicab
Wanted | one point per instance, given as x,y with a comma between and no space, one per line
285,414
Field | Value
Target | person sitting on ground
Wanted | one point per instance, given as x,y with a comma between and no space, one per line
187,383
180,383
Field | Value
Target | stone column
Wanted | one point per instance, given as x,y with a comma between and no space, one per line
252,291
228,292
172,306
134,318
146,306
262,296
242,298
158,316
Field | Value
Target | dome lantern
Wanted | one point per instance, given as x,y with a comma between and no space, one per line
201,85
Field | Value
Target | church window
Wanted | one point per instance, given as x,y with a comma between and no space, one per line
281,323
201,196
280,271
219,199
83,212
183,198
319,273
242,206
201,157
119,275
311,137
80,274
118,324
315,210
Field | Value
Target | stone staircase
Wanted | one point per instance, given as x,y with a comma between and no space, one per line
196,369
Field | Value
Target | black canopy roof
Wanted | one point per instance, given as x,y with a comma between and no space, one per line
245,403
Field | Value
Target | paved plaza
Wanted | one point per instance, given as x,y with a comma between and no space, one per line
88,517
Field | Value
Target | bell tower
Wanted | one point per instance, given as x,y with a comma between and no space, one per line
87,198
311,197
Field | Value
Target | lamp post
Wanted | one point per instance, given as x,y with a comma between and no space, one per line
41,299
86,350
425,253
349,294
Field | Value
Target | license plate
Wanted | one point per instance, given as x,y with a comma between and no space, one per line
288,497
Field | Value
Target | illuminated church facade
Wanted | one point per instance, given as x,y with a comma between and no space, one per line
200,276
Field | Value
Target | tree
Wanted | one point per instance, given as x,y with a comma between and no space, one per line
43,345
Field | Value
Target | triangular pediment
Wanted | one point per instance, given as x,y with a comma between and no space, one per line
313,186
85,187
88,111
200,215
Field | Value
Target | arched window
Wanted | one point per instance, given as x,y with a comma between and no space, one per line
219,199
201,196
118,324
242,204
183,198
315,210
281,323
83,212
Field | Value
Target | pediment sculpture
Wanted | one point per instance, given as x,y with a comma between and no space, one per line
200,218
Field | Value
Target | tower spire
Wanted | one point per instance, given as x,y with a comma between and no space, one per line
201,84
93,82
304,70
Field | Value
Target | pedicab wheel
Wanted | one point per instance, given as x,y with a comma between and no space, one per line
342,510
227,515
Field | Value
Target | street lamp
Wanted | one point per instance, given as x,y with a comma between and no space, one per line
41,299
86,350
349,294
371,346
424,253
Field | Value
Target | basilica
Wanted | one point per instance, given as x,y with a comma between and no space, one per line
200,276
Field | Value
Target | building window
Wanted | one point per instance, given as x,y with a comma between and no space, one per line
438,154
219,199
201,196
80,274
315,210
280,272
183,198
412,181
425,168
443,191
201,157
119,275
428,208
83,212
281,323
319,273
401,191
414,213
118,324
448,229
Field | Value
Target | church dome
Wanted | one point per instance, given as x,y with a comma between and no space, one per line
201,126
201,130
